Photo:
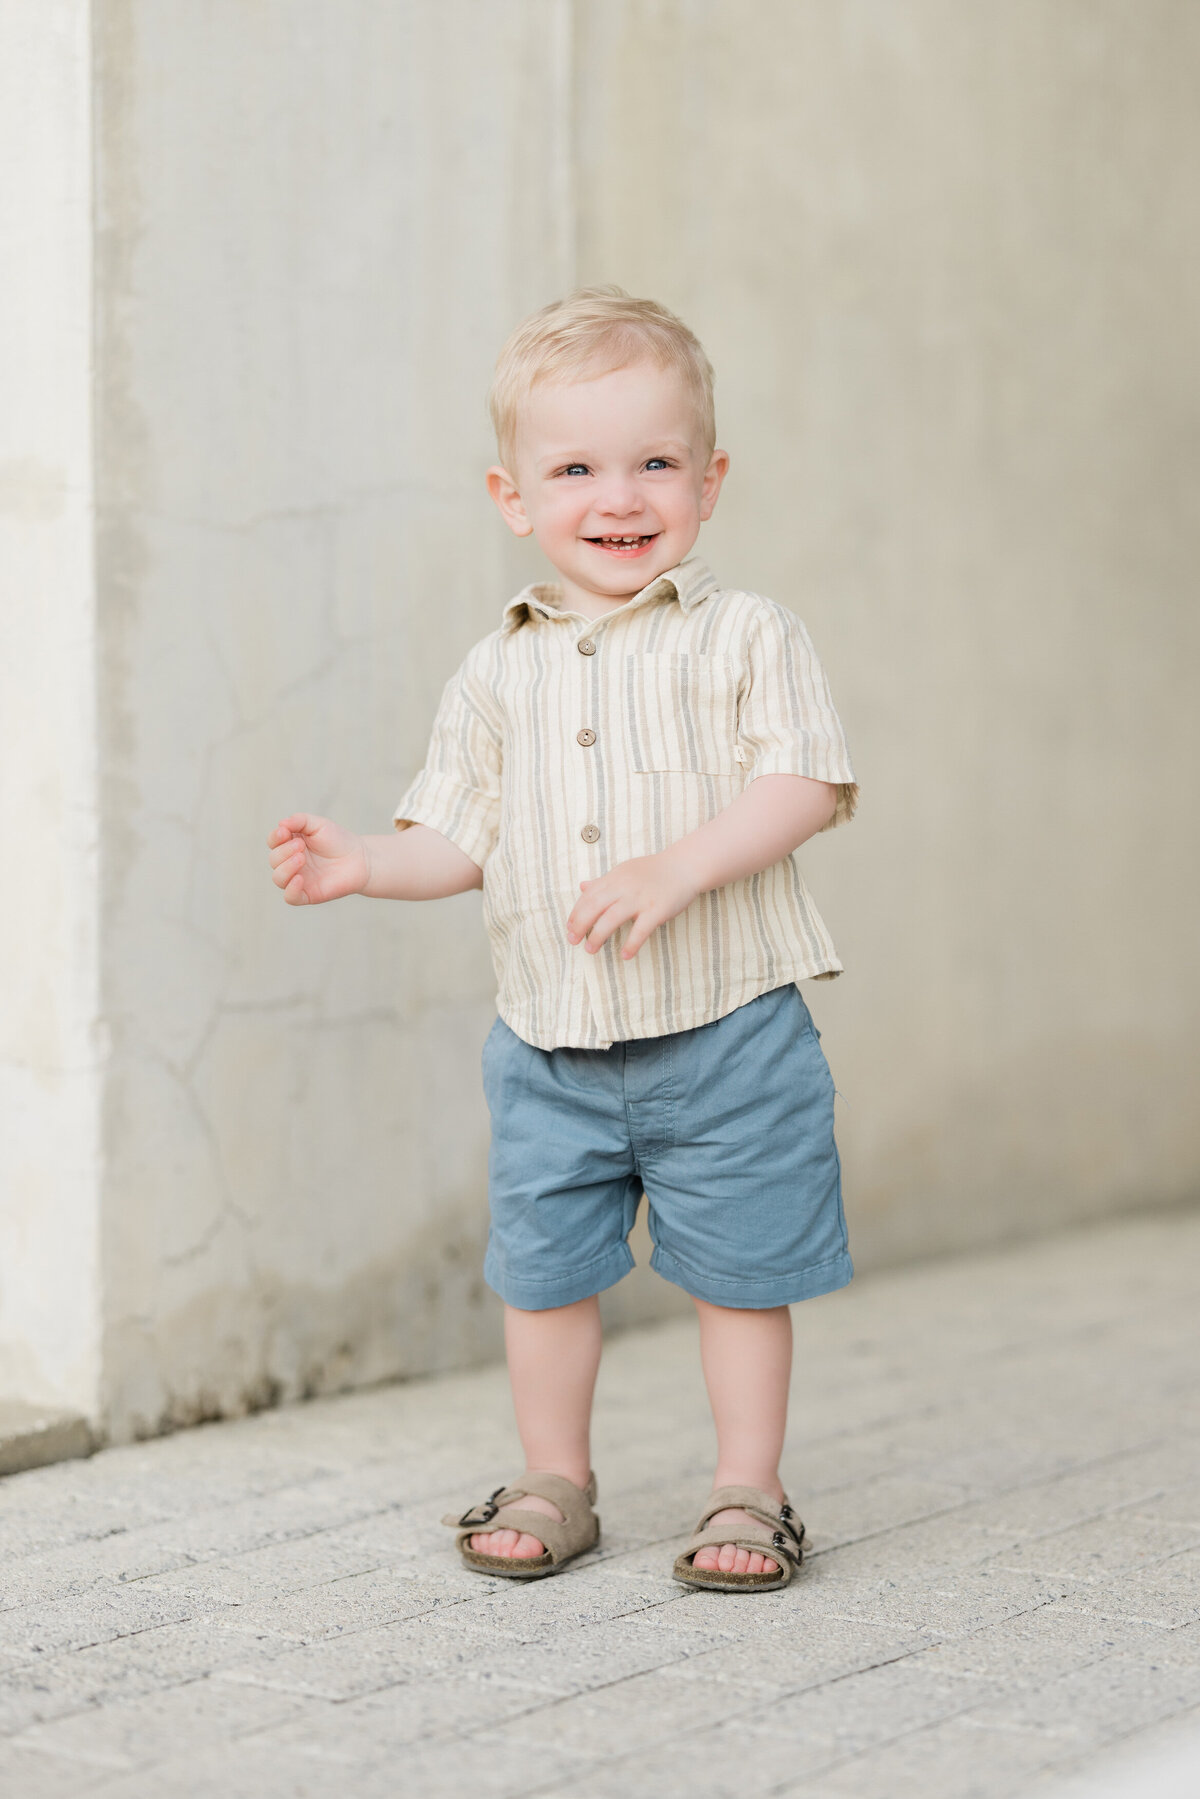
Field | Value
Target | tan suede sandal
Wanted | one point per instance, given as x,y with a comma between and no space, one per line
578,1531
780,1539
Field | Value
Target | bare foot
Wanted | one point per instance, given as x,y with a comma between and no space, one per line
516,1543
727,1557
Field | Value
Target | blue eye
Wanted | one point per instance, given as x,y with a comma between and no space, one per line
658,462
575,468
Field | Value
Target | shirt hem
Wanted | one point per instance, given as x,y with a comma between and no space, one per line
698,1015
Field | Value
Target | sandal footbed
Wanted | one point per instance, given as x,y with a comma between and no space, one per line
515,1567
717,1582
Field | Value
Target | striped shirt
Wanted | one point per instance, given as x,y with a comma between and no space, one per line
564,745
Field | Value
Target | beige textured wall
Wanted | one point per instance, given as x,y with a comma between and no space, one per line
945,262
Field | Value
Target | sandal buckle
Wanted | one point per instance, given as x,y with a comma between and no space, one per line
487,1511
787,1519
787,1545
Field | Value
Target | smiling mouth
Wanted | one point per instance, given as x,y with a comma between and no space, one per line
628,543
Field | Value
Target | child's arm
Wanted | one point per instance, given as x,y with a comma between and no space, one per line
314,860
801,782
773,816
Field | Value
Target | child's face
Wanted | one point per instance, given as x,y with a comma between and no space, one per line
612,478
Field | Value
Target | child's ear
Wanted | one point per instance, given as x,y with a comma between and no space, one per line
714,474
506,494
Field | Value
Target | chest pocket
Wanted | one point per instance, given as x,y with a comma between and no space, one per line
680,713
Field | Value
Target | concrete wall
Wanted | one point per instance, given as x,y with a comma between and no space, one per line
940,256
314,224
945,260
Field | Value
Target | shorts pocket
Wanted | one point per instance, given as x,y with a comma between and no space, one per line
680,712
808,1024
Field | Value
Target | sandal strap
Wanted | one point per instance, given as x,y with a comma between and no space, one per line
787,1532
778,1546
577,1529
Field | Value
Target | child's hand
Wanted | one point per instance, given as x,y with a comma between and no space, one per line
315,860
648,889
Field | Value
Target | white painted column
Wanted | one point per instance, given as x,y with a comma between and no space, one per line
51,1051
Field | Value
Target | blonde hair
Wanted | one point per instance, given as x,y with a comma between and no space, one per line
592,332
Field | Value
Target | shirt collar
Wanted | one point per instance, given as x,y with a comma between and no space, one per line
689,582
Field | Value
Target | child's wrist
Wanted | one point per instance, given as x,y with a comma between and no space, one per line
368,868
688,866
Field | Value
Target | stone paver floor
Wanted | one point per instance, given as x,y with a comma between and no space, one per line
998,1459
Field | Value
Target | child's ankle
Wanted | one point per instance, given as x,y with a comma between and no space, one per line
736,1477
577,1473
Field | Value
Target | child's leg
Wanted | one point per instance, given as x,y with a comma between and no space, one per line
553,1357
747,1362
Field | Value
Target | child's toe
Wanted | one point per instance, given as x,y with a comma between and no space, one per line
511,1544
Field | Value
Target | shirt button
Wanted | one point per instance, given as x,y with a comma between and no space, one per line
586,647
590,833
585,737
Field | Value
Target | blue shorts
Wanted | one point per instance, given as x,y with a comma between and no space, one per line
727,1128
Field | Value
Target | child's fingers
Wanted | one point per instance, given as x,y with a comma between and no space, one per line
292,856
300,824
607,923
290,870
591,907
643,925
294,893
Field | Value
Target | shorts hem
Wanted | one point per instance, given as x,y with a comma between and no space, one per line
539,1295
757,1295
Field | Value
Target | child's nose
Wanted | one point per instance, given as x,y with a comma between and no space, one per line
619,499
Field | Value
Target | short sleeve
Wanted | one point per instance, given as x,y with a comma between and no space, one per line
458,790
786,720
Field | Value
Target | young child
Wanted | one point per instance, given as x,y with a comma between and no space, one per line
626,766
